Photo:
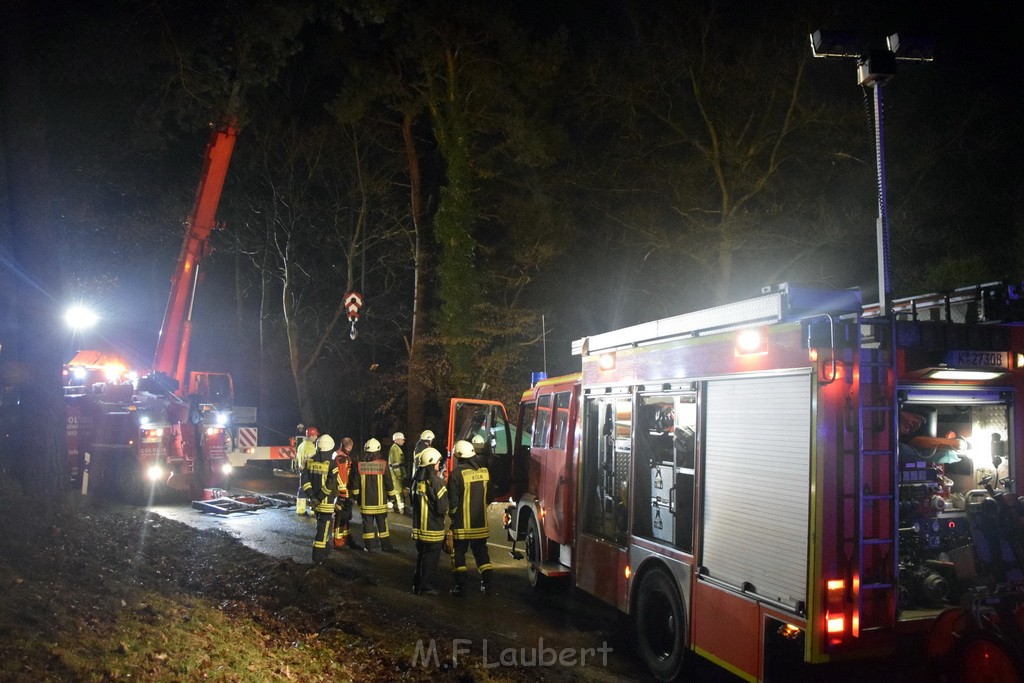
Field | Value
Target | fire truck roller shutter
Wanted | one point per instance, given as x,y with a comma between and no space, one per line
757,468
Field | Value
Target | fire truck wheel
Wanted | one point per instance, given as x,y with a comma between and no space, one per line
982,658
533,555
660,624
129,482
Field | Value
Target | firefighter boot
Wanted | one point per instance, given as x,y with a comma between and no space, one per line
459,589
485,583
385,545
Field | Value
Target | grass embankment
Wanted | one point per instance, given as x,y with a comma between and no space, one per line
94,591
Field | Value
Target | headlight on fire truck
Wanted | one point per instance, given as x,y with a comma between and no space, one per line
226,468
212,431
155,473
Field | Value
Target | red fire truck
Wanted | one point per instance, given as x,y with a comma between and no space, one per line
157,429
786,484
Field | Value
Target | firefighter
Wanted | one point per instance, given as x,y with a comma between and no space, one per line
305,450
426,439
320,485
343,505
429,506
396,461
467,503
370,486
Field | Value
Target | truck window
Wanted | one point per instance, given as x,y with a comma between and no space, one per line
561,433
542,426
527,412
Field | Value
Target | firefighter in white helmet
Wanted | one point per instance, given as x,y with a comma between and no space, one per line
320,486
303,452
396,461
425,441
370,485
467,503
429,506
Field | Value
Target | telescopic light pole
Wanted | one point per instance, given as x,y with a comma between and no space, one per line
875,68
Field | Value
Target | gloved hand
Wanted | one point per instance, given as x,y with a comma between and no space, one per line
312,502
400,508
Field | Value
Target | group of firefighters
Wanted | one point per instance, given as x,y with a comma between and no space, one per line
333,480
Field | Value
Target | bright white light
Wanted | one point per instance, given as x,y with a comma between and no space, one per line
79,373
222,419
226,468
750,342
964,374
113,372
80,317
143,420
155,473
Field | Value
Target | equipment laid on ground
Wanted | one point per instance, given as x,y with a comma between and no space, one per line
219,502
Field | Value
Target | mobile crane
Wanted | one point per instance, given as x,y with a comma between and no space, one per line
159,429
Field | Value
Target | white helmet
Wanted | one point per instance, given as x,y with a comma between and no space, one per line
325,443
478,440
429,456
371,446
397,435
464,449
427,435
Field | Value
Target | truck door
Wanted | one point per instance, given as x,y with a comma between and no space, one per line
469,417
601,551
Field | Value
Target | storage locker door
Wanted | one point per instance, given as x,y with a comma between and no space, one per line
757,484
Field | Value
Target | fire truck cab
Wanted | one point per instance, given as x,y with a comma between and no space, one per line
789,483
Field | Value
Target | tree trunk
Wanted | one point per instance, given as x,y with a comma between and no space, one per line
415,391
292,331
39,439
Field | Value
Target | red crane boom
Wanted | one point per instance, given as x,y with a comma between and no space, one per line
176,331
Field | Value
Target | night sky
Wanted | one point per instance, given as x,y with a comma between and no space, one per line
126,137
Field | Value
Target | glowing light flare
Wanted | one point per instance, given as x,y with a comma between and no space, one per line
627,572
963,375
80,317
606,361
113,371
751,343
789,631
835,624
155,473
226,468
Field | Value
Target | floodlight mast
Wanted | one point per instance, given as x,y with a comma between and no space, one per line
875,68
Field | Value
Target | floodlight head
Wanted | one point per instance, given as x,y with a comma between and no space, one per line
875,68
911,47
827,43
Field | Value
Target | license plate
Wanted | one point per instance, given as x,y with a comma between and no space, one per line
978,359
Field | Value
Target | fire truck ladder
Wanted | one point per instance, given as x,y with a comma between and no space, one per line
876,524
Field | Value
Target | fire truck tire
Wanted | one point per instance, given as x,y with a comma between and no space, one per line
983,658
533,555
944,635
128,482
660,625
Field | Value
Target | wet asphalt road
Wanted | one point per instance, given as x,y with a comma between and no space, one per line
515,616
